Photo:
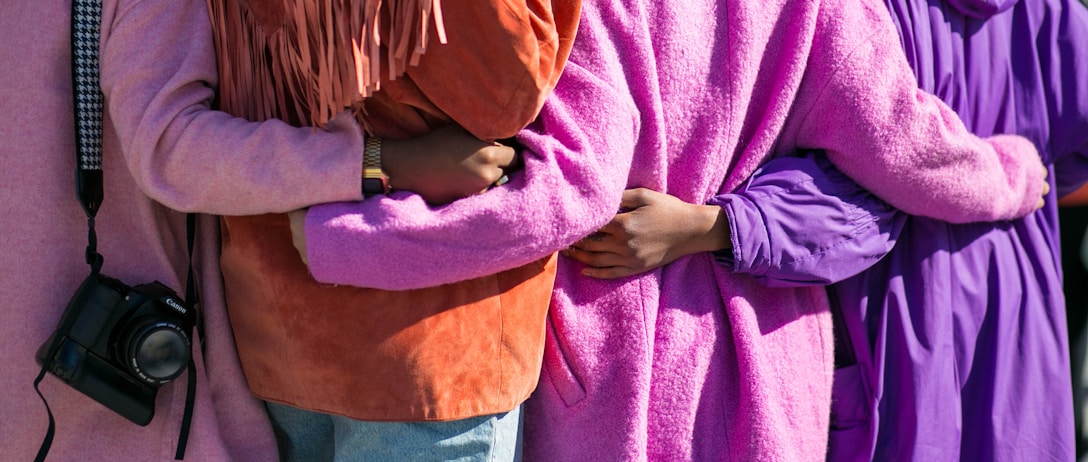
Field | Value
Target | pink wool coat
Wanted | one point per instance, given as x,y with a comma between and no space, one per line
163,148
688,362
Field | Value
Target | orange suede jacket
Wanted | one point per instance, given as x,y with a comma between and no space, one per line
364,353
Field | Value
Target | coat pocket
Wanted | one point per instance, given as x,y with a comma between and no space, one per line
851,422
562,375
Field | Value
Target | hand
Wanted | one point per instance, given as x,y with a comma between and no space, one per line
298,231
445,165
654,231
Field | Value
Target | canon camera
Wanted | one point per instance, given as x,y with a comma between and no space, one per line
118,344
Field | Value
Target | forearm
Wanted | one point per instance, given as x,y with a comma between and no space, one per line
799,221
399,242
158,71
575,171
904,145
710,228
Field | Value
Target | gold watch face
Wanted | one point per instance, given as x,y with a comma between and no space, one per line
374,186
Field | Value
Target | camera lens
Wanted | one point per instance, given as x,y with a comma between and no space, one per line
158,352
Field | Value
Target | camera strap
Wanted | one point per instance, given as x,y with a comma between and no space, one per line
88,109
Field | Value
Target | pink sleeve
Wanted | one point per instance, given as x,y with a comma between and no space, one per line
863,107
158,72
576,166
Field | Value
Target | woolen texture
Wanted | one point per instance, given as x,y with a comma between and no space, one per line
688,361
953,345
163,148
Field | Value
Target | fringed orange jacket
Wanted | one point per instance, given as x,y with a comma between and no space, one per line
404,67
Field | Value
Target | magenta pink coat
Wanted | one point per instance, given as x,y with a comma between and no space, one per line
688,362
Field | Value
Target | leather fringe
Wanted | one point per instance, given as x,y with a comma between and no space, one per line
304,61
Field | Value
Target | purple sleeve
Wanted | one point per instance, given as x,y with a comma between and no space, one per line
1065,71
576,166
799,221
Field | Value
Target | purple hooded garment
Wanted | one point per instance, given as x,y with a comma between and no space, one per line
953,345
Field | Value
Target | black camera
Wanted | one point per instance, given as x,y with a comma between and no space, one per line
118,344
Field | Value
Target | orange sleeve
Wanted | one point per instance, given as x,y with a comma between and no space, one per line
501,60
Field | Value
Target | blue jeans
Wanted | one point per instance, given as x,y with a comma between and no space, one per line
305,436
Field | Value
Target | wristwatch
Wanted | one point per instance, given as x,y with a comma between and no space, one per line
375,181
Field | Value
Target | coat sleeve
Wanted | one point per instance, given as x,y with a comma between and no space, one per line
576,165
799,221
1065,68
861,104
508,56
158,76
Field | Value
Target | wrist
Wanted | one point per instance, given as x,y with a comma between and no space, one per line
713,232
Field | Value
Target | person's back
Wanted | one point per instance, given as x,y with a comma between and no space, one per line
688,361
162,147
960,331
447,362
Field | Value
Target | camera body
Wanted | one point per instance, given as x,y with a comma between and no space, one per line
118,344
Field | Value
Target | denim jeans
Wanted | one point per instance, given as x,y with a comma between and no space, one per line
306,436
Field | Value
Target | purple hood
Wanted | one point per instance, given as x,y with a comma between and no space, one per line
981,8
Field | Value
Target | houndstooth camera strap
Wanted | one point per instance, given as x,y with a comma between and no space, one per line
88,117
86,19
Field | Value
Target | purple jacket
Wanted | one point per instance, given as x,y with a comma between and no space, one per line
955,343
688,361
